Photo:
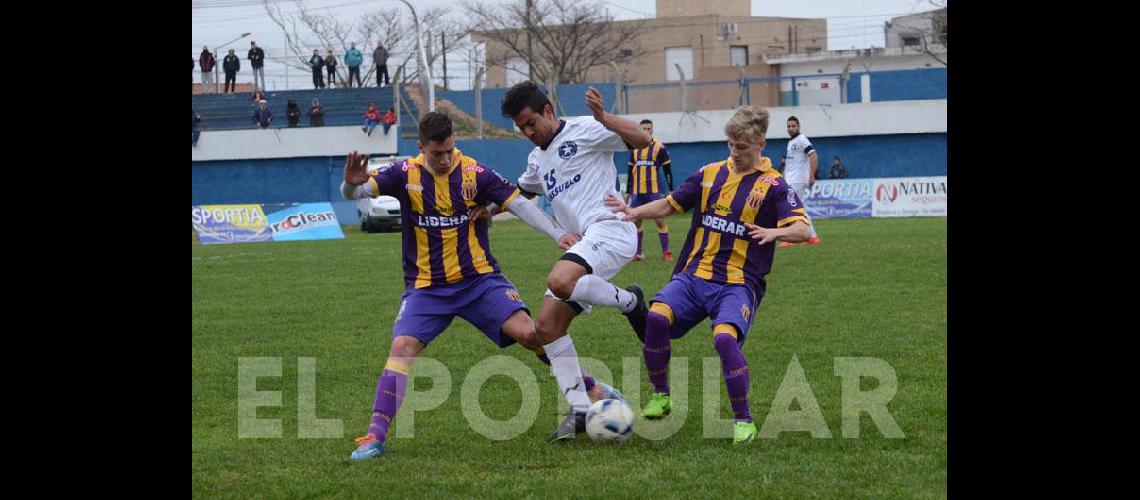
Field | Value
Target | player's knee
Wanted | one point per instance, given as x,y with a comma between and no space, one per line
725,339
404,346
561,286
525,335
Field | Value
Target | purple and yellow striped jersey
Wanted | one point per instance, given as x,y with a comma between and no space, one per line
440,244
643,166
718,248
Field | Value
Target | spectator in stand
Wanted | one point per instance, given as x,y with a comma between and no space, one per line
206,64
262,116
317,64
371,118
838,171
197,120
389,120
380,58
316,114
292,113
330,64
257,62
231,65
354,58
258,96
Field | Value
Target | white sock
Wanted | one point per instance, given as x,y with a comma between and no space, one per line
564,363
599,292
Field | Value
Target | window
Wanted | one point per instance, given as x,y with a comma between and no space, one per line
682,56
739,55
517,70
910,41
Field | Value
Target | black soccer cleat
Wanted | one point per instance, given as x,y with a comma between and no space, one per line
574,424
637,316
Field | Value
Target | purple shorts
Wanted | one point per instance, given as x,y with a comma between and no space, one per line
485,301
693,299
637,200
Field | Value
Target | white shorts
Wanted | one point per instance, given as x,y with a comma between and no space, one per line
607,247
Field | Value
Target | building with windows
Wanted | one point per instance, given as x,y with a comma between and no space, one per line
709,40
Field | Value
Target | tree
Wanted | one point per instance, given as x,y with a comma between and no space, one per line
305,30
937,32
930,28
560,40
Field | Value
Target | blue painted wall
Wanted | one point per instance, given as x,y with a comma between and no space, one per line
901,85
318,179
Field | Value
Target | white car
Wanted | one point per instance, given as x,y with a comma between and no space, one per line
383,212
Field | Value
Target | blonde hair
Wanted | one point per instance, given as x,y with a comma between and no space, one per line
748,121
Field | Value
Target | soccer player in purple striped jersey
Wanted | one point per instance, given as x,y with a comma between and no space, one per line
448,267
741,206
644,185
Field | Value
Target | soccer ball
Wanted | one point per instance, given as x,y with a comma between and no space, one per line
609,420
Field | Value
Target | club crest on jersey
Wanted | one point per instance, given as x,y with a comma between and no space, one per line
567,149
744,311
469,190
513,294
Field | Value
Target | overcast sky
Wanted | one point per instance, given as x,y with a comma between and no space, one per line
850,24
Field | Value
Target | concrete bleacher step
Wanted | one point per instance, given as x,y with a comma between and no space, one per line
235,111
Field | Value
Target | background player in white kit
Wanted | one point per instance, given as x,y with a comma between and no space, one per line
573,165
801,165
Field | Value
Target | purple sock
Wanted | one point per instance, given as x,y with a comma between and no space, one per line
588,380
664,241
389,395
639,233
735,369
657,351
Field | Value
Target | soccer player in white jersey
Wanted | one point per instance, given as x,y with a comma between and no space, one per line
573,165
801,165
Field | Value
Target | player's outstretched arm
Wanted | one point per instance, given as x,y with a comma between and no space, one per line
629,130
796,232
652,210
533,217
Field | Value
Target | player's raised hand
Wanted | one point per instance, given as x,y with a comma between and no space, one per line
596,103
762,235
355,169
617,205
567,240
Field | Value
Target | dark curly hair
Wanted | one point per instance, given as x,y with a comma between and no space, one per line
524,95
